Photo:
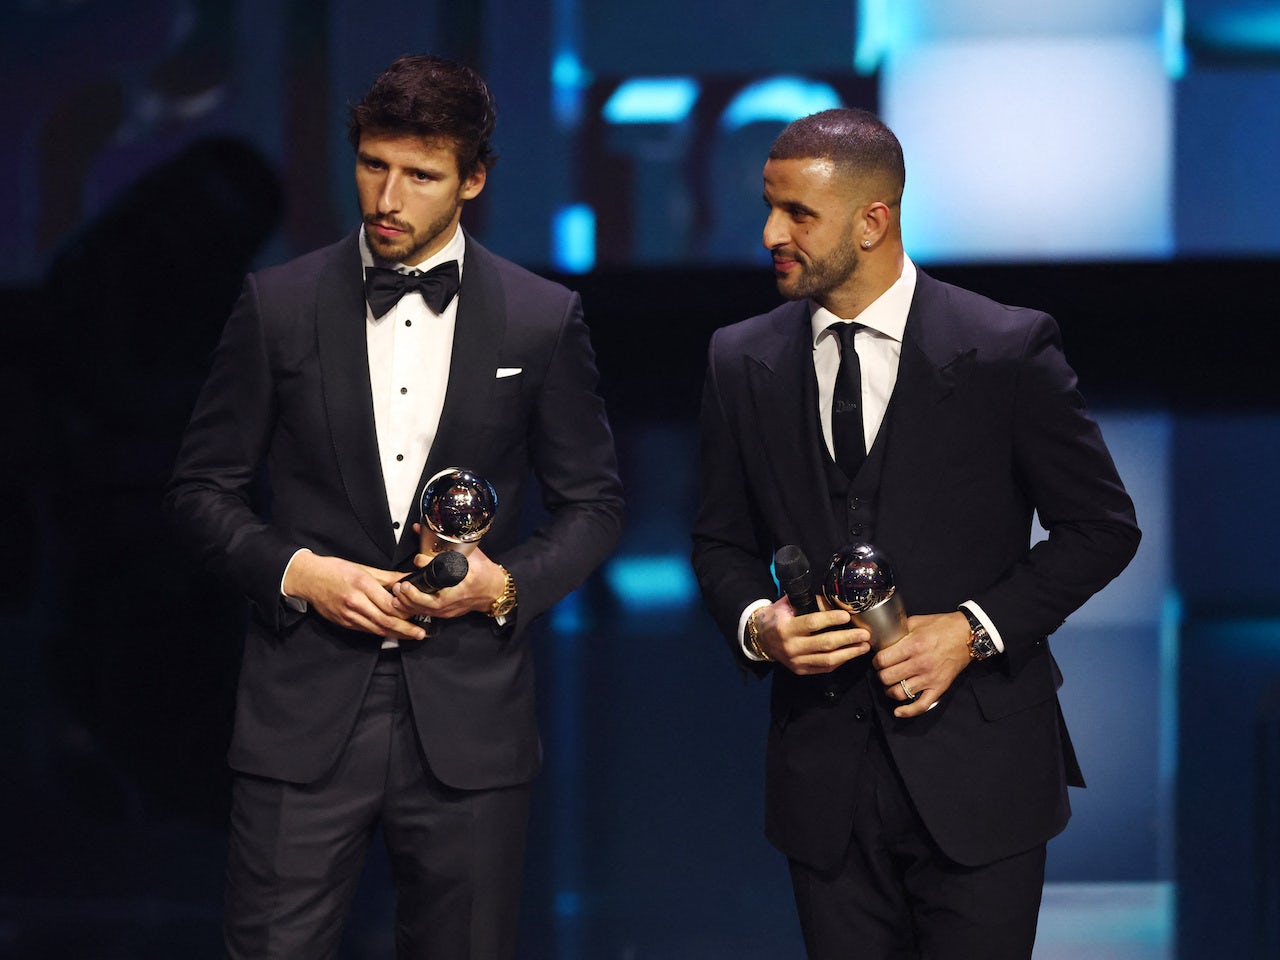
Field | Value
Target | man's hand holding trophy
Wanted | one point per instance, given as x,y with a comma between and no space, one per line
454,576
858,610
923,656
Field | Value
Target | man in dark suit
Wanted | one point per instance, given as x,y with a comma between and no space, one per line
913,789
339,393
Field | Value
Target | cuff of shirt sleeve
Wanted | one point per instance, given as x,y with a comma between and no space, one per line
293,603
742,630
992,632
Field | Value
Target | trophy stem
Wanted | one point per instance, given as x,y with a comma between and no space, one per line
887,621
431,544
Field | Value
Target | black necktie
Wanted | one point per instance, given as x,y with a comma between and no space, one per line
383,288
846,405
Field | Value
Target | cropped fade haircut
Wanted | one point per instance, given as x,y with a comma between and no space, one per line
857,141
433,98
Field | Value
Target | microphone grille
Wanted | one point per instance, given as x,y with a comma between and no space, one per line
449,568
790,563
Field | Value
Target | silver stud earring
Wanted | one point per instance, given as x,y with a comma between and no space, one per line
866,244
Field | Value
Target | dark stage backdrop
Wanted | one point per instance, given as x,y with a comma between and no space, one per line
160,148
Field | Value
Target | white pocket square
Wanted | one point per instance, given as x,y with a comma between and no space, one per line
508,372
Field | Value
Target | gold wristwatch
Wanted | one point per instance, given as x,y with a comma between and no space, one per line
506,601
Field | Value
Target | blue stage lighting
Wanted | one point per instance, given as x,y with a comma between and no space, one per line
783,99
574,238
652,100
651,582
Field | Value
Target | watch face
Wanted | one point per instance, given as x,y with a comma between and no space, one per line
982,646
506,601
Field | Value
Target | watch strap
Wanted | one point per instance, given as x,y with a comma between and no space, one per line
507,599
981,646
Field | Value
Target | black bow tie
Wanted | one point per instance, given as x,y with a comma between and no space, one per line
383,288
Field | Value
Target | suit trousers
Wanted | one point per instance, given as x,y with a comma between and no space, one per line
896,896
298,850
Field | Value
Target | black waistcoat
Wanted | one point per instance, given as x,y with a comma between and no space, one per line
853,504
854,500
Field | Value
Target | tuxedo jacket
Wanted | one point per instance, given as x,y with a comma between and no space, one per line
281,453
984,428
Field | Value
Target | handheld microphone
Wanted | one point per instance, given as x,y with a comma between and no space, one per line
446,569
792,567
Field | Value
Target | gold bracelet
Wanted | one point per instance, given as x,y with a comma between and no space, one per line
753,638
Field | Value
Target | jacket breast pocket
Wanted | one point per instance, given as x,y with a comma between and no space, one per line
505,416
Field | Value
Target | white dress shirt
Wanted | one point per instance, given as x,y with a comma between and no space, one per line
879,346
410,350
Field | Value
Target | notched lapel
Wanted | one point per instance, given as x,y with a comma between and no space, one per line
917,428
779,410
783,389
926,382
955,370
348,397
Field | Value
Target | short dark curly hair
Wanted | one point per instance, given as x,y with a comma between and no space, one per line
433,98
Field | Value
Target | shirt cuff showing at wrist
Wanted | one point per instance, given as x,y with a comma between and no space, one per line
992,632
293,603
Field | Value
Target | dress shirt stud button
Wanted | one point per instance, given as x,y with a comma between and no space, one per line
404,390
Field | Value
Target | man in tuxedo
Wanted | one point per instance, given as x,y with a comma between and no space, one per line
343,381
913,789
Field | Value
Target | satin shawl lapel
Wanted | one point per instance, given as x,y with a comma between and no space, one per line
477,344
348,397
932,362
782,387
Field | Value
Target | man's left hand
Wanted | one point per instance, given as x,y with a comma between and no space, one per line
928,659
475,594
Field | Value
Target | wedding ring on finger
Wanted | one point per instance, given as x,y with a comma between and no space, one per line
906,692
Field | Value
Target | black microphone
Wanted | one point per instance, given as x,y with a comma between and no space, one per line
792,567
446,569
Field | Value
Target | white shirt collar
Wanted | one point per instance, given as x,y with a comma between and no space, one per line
887,314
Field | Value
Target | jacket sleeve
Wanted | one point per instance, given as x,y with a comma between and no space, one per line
732,548
209,500
572,455
1071,480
